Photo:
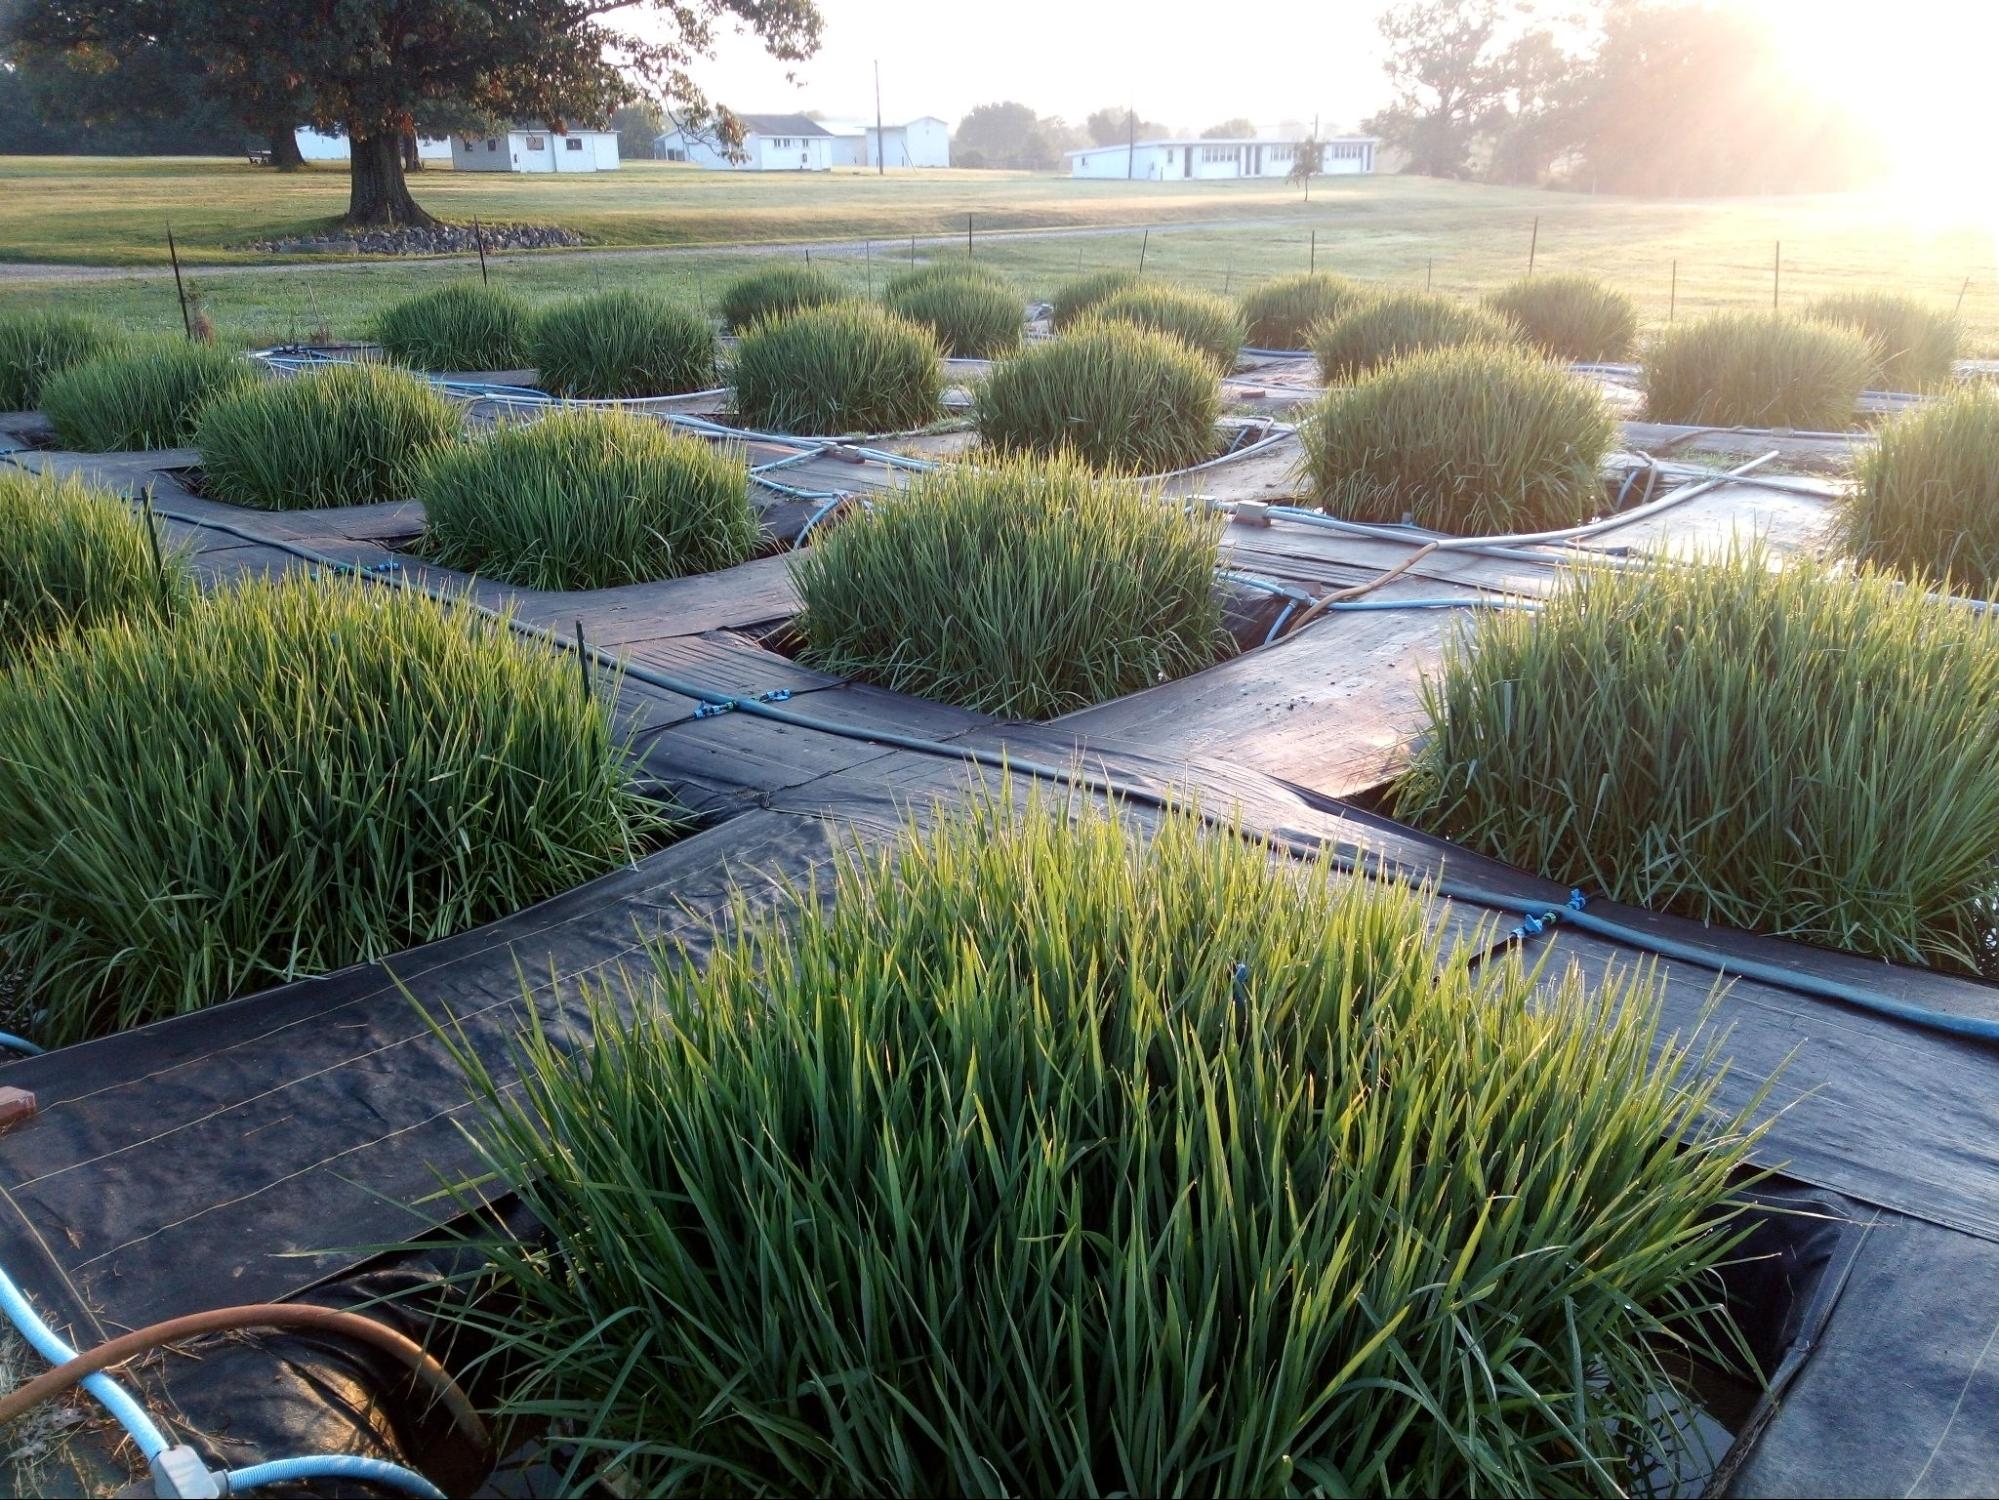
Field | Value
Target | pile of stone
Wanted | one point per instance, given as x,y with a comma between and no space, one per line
435,239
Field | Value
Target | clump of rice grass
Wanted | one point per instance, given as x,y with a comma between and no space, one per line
71,556
1569,316
1119,397
1915,345
1757,370
1283,311
36,344
1927,505
974,312
464,326
1387,325
1470,439
1795,752
845,367
614,344
148,395
776,292
293,777
587,500
341,435
1027,588
1049,1157
1208,325
1074,299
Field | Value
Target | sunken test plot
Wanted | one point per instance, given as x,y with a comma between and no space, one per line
147,395
845,367
317,773
984,1077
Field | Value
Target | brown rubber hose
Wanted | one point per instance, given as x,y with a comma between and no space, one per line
293,1315
1342,595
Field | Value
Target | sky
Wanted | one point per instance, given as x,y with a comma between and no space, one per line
1917,69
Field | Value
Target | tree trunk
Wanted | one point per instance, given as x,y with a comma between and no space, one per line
285,155
412,156
378,197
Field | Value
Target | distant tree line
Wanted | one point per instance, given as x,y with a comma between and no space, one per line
1631,96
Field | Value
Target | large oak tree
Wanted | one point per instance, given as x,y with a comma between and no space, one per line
379,69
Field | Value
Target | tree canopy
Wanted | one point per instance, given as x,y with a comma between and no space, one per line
1116,126
1009,134
1237,129
377,69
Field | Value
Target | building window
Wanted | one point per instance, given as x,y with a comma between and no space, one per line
573,144
536,142
674,153
782,143
491,144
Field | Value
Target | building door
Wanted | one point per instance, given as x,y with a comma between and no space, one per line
1186,161
1256,161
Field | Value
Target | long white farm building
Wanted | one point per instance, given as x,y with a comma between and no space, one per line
798,143
1157,161
321,145
534,148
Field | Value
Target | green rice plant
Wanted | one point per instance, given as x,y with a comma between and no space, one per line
1927,505
148,395
846,367
1386,325
1120,397
1209,326
1283,311
1043,1159
1073,299
1796,752
1570,317
1915,345
587,500
341,435
1026,589
626,343
294,777
935,272
1470,439
974,314
71,556
1757,370
35,344
774,292
464,326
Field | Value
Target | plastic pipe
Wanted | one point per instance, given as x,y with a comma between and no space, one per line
19,1044
1074,775
49,1344
330,1466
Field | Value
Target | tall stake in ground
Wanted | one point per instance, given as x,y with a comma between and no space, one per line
1776,274
180,290
479,239
1533,244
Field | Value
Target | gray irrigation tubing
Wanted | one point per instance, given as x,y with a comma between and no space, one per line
1074,776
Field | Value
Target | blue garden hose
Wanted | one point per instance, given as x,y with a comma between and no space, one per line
330,1466
49,1344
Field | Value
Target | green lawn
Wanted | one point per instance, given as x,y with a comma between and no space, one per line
1464,238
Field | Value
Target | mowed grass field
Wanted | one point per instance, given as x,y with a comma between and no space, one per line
1678,258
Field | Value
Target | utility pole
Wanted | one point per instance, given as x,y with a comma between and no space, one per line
1131,141
881,144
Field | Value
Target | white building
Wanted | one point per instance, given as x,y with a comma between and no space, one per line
1157,161
316,145
771,143
532,148
922,142
797,143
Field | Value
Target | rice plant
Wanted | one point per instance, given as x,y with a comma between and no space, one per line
1381,327
1208,325
974,313
1283,311
35,344
1570,317
1043,1159
294,777
933,272
1074,299
1915,345
775,292
1468,439
465,326
1928,500
1794,752
628,343
147,395
71,556
1024,589
342,435
844,368
1757,370
587,500
1119,397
